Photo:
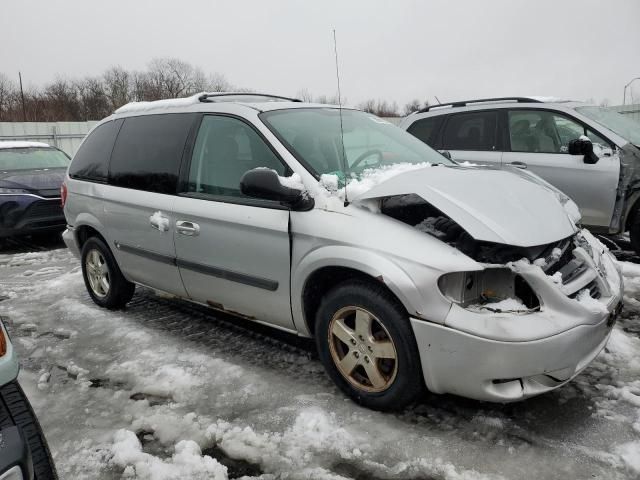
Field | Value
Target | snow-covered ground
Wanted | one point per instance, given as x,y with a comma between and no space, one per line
167,390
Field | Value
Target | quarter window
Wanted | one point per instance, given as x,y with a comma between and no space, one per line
148,152
471,131
225,149
91,161
426,130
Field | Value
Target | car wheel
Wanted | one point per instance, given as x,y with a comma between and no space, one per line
367,346
634,232
102,276
15,409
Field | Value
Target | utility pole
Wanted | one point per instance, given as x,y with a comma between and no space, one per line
624,95
24,110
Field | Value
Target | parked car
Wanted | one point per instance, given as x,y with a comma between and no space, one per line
24,453
469,281
590,153
31,175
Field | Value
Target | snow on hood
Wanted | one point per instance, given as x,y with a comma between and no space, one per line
491,205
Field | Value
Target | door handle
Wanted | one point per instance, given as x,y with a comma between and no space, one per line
187,228
518,165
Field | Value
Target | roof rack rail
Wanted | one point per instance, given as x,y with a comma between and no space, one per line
206,96
464,103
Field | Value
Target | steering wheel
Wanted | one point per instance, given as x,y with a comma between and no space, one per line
366,154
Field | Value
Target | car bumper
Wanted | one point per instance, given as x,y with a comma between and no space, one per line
69,237
526,355
15,457
28,214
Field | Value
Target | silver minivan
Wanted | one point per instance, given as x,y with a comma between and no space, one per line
408,269
590,153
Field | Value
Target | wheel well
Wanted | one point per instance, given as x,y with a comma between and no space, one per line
84,233
325,278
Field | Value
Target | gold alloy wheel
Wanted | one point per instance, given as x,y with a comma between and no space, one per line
362,349
97,273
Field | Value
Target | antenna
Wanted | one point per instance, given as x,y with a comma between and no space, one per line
438,100
345,164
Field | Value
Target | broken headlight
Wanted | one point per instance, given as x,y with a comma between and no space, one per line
499,286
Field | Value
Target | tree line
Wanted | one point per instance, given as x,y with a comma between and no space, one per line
95,97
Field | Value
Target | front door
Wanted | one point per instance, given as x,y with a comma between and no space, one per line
540,142
233,252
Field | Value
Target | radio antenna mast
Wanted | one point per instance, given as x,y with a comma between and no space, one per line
345,164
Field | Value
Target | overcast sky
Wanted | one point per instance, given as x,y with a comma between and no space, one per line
395,50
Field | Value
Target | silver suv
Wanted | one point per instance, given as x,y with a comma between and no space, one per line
590,153
407,268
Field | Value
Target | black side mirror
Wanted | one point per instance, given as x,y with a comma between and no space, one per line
446,154
264,183
583,147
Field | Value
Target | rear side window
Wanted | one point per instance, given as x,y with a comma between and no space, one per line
426,130
91,161
148,151
471,131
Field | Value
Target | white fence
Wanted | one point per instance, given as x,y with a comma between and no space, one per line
64,135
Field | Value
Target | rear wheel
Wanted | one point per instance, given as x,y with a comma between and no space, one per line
366,344
102,276
634,232
15,409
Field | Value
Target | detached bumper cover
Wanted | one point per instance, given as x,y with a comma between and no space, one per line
15,456
506,357
25,214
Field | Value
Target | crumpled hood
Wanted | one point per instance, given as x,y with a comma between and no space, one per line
33,180
491,205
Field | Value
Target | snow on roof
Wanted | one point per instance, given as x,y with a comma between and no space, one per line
541,98
19,144
169,104
159,104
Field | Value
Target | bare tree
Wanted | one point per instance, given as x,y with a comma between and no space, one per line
117,86
415,106
8,91
304,95
381,108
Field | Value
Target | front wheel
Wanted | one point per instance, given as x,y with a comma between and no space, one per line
15,409
367,346
102,276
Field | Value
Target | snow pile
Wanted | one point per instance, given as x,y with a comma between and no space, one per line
294,181
186,462
167,104
159,221
21,144
586,300
428,226
510,305
328,195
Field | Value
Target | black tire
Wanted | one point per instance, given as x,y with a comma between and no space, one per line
408,383
120,289
634,232
15,409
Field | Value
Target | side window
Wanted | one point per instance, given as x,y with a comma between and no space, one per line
225,149
426,130
91,161
471,131
148,152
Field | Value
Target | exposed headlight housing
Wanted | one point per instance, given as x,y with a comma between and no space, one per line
491,285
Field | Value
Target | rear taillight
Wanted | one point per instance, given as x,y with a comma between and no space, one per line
63,194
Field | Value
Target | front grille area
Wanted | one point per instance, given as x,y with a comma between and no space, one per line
44,208
594,290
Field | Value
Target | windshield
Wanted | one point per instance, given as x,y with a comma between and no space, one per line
614,121
312,135
32,158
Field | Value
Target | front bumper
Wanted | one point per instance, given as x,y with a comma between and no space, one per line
28,214
505,357
15,457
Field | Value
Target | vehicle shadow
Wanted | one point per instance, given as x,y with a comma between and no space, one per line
32,243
